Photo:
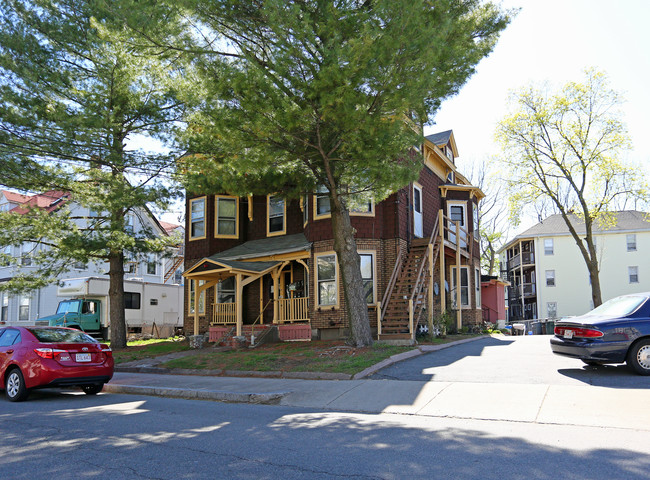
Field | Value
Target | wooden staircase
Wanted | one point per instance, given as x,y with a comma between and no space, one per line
408,289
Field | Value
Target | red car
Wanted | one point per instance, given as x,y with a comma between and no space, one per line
42,357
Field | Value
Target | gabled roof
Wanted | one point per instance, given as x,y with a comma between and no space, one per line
14,197
554,225
441,139
48,201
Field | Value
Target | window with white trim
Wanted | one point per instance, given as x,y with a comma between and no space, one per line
475,219
633,274
276,215
551,309
4,306
548,246
631,242
152,264
550,278
477,287
26,252
23,308
321,202
464,287
368,276
192,293
326,280
197,218
456,213
226,216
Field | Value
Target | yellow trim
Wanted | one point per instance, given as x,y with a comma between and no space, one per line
336,305
216,216
189,296
205,219
473,191
268,217
250,208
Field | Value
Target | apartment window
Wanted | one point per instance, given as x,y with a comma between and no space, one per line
197,218
7,251
631,242
226,290
152,265
367,276
304,204
23,308
550,278
4,306
276,208
227,213
551,309
326,280
360,205
457,214
548,246
633,274
321,202
26,251
130,266
464,287
132,301
193,296
475,218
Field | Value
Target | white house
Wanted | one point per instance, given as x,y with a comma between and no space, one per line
548,275
25,309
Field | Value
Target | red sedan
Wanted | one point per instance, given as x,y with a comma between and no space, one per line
42,357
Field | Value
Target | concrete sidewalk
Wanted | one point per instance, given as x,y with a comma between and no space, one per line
543,404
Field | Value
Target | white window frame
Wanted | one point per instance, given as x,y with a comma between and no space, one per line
229,292
197,219
4,306
551,306
550,275
633,274
630,241
278,198
477,287
475,219
318,281
24,301
452,225
549,246
373,274
26,253
152,260
227,198
454,272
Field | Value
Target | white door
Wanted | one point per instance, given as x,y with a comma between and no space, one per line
417,211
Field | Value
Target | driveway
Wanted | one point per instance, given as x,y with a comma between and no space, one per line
503,359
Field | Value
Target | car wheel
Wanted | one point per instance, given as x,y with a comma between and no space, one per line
638,358
92,389
15,386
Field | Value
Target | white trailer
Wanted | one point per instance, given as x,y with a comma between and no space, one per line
153,308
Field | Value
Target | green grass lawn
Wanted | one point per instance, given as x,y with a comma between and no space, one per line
141,349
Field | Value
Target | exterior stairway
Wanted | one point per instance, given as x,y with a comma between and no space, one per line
413,277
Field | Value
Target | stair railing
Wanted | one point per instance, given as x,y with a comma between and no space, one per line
259,317
417,286
389,288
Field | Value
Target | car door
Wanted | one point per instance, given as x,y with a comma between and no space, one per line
8,338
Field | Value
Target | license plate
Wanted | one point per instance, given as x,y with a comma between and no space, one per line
568,334
82,357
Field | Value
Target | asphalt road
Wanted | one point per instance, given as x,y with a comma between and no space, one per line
514,360
69,435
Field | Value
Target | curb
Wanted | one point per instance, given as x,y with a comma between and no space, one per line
272,398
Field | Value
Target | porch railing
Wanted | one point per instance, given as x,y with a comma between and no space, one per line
224,313
293,309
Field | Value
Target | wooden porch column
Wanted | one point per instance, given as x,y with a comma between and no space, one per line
459,317
430,299
196,306
261,300
276,293
239,299
443,290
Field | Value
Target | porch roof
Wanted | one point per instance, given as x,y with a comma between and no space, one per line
264,248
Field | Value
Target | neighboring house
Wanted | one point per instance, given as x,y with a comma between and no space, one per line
25,309
268,260
493,297
548,275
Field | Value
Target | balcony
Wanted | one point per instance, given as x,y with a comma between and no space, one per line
529,290
528,258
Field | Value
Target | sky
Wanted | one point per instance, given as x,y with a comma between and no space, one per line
554,41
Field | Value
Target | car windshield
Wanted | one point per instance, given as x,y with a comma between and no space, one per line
68,306
619,306
61,335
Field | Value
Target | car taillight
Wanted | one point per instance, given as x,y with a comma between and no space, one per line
578,332
53,353
107,350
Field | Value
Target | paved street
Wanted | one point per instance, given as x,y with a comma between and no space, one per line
492,408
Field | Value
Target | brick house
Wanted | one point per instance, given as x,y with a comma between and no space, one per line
262,260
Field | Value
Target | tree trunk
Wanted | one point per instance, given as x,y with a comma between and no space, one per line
594,278
350,270
116,300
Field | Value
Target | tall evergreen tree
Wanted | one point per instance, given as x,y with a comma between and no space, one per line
74,90
314,94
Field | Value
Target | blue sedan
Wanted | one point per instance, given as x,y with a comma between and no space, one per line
617,331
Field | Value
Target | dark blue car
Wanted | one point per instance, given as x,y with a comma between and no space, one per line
618,331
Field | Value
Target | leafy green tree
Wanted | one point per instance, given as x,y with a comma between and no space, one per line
74,90
327,94
565,149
